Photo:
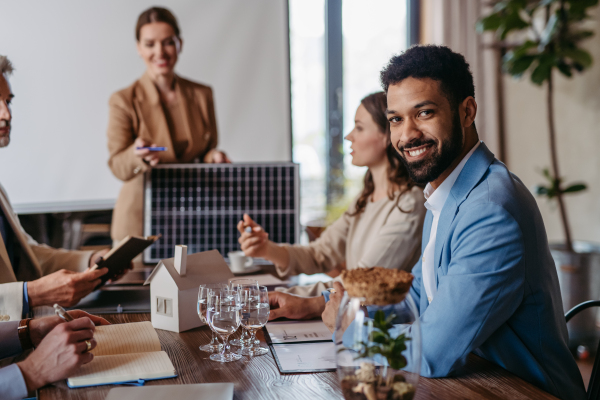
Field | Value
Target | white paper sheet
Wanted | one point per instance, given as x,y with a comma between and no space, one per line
298,331
305,357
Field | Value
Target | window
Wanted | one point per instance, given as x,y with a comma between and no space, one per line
373,31
307,64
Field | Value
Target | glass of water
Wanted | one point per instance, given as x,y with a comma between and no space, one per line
236,283
214,344
254,315
223,316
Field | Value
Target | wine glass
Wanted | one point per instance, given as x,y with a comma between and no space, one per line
254,315
244,340
223,316
203,290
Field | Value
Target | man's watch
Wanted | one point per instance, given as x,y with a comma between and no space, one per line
24,336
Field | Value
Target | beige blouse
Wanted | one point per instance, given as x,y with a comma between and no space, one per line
176,124
382,235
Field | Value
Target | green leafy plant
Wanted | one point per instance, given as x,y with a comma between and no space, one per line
551,33
381,342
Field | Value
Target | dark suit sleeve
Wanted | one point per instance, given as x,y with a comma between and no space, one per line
483,287
9,339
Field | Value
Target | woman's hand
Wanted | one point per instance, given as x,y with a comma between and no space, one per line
256,242
150,157
216,157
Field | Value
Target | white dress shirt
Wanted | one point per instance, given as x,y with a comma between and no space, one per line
436,198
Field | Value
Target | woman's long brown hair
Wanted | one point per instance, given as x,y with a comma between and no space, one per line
376,105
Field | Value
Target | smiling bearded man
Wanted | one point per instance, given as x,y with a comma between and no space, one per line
486,282
426,169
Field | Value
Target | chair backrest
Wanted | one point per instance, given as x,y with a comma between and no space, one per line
593,392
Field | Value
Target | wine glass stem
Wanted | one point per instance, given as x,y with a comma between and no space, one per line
214,340
252,338
225,345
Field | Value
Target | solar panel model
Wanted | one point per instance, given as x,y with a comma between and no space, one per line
199,205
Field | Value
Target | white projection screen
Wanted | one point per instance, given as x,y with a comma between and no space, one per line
71,55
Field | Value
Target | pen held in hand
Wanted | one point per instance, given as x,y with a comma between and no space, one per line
152,148
61,312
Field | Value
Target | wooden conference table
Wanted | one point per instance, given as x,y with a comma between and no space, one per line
258,377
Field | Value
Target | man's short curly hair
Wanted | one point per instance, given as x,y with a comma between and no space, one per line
435,62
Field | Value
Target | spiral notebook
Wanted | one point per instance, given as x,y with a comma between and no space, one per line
125,353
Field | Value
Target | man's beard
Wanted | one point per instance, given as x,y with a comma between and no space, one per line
430,168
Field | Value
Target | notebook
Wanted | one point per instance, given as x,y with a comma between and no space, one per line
118,259
125,353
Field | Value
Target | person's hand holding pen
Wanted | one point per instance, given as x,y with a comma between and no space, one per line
61,348
40,327
255,242
150,157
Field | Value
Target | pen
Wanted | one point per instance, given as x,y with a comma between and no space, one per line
152,148
248,229
61,312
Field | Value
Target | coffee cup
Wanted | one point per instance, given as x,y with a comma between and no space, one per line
238,261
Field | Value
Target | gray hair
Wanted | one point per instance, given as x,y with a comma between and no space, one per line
6,66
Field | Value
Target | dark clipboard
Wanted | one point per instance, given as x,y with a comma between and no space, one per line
295,371
118,259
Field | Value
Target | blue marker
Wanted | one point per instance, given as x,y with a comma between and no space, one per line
152,148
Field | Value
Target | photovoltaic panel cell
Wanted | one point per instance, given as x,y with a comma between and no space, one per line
199,205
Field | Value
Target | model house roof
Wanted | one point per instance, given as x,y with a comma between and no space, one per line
202,268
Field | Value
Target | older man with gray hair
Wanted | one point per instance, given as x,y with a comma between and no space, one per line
32,274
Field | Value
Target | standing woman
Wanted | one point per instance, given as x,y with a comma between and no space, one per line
383,225
160,109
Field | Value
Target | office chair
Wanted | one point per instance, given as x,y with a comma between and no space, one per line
593,392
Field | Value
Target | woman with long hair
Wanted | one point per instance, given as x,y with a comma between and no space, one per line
383,225
161,109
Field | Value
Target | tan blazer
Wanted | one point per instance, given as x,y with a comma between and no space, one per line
34,261
137,111
382,235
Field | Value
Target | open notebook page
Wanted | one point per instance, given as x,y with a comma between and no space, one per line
123,368
135,337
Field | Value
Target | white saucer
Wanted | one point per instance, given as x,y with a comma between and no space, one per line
248,270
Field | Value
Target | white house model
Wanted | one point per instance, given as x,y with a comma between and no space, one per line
174,287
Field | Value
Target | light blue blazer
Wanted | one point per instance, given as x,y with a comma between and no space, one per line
497,287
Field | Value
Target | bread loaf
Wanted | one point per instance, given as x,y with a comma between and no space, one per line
377,285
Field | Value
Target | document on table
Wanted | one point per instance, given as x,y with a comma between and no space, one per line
304,357
297,332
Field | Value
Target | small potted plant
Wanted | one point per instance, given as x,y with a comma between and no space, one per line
374,359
